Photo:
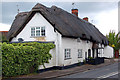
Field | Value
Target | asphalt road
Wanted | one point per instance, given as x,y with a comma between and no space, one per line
110,71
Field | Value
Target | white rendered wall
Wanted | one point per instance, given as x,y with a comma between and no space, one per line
108,52
74,46
37,21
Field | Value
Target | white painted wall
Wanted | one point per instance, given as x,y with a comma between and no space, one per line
108,52
74,46
37,21
54,52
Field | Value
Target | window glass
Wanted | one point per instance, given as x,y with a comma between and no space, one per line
32,31
67,53
42,31
79,53
38,31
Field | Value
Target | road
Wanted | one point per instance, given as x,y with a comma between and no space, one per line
110,71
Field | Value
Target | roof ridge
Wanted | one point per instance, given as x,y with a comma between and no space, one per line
22,13
38,6
55,7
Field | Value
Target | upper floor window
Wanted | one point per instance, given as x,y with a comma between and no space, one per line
42,31
37,31
32,31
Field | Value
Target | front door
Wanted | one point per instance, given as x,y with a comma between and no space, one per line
89,52
93,53
97,53
85,55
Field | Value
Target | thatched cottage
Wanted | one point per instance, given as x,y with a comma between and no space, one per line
75,38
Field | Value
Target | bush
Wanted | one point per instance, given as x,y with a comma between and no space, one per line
0,61
24,58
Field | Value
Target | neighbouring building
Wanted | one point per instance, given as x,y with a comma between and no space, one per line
75,38
3,36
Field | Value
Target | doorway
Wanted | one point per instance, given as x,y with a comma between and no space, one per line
89,52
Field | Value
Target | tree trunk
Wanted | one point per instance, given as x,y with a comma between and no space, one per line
116,54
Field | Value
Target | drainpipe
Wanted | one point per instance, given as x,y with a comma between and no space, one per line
57,50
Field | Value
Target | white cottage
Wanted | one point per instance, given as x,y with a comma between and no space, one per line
75,38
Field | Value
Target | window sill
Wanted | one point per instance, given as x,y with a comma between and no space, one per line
36,36
67,58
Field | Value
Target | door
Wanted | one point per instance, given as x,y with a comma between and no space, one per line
89,52
97,53
85,55
93,53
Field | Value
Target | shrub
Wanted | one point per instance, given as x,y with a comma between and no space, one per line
24,58
0,60
90,57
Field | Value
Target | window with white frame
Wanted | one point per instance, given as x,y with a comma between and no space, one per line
42,31
37,31
79,53
67,53
32,31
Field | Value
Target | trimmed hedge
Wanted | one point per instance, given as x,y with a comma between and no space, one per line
0,61
24,58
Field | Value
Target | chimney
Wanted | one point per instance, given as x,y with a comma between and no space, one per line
85,18
75,12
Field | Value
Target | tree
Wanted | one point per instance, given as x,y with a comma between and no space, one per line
114,40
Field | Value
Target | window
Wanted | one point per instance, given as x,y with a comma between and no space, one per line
67,53
37,31
32,31
79,53
42,31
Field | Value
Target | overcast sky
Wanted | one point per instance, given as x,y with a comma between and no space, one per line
104,15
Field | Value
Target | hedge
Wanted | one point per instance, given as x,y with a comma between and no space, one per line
0,61
24,58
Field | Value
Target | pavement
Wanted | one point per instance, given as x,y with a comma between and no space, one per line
59,73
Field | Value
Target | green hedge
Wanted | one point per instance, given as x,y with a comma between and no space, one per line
24,58
0,61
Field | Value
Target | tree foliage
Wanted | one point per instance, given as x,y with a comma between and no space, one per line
114,40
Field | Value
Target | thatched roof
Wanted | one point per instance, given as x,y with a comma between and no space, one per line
65,23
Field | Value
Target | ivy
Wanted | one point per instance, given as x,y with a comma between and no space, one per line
24,58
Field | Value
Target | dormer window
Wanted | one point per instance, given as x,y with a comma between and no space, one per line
37,31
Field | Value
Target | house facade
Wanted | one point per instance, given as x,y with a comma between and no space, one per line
3,36
75,38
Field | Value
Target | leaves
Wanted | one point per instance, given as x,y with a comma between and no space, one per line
21,58
114,40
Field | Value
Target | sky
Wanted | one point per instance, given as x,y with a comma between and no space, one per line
104,15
